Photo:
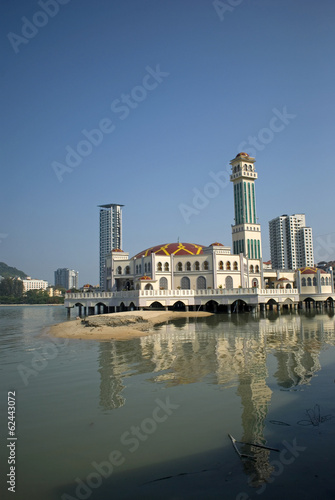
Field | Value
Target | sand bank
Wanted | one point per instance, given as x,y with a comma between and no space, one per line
118,326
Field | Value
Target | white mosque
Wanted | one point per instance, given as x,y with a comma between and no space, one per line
193,276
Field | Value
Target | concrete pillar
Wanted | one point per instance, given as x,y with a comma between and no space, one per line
79,311
229,309
68,312
187,308
85,311
90,311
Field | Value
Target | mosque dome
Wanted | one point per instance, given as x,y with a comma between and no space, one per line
242,154
311,270
172,249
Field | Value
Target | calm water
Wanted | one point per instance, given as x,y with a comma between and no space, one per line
149,418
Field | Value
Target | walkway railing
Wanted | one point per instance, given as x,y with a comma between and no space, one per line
182,293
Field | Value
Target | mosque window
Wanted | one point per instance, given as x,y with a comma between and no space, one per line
188,266
235,266
145,268
309,282
163,284
166,266
314,281
228,265
159,266
127,270
136,269
303,282
257,269
119,270
251,268
205,265
322,281
149,267
179,266
201,283
221,265
185,283
229,283
197,265
255,283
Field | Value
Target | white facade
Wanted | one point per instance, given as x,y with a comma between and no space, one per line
110,234
32,284
66,278
291,242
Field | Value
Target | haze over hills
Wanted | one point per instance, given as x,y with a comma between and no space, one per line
11,272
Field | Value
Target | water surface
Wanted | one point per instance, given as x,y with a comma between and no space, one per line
149,418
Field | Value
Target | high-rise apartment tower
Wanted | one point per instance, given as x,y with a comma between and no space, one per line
110,234
291,242
67,278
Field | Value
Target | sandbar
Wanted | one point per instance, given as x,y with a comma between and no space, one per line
119,326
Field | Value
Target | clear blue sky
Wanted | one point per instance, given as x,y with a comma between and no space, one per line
221,74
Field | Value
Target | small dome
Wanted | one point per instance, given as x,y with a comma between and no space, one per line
242,154
145,278
117,250
216,244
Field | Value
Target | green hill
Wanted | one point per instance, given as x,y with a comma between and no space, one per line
11,272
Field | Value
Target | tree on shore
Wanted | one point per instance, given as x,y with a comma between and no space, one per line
11,287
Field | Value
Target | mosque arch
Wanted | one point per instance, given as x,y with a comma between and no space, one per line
197,266
148,286
179,266
188,266
255,283
166,267
179,306
211,306
159,266
156,305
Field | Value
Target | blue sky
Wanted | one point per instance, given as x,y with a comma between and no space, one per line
198,84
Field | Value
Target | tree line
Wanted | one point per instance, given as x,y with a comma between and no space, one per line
11,292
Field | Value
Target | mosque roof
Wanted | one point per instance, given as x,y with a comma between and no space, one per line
242,154
216,244
117,250
310,270
172,249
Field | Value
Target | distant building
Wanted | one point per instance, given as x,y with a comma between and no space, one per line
33,284
66,278
291,242
110,234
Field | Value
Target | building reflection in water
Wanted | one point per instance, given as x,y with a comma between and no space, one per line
228,352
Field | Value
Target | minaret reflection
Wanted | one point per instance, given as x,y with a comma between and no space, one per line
230,352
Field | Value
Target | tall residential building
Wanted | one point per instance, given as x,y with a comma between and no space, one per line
110,234
246,232
291,242
67,278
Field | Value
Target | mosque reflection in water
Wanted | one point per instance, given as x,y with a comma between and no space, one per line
228,352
